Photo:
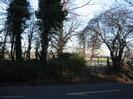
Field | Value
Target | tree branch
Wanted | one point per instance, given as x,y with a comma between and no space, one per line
81,6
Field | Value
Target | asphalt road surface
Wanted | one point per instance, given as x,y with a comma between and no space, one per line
92,91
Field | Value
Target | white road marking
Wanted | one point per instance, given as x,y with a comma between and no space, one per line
6,97
93,92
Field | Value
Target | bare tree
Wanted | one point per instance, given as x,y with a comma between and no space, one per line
4,32
94,43
91,41
130,2
115,28
61,37
82,43
31,33
37,47
4,44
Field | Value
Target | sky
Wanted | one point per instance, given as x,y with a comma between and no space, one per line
85,13
94,8
89,11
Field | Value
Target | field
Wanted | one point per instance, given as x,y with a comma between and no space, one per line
98,61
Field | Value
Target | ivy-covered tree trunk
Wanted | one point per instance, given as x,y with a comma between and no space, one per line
28,53
17,14
51,15
18,48
44,45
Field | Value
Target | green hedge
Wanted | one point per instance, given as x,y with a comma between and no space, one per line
67,67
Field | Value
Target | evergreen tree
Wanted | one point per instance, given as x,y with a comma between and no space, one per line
18,13
52,15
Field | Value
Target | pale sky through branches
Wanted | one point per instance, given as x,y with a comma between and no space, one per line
88,11
83,14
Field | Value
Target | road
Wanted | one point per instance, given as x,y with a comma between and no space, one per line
91,91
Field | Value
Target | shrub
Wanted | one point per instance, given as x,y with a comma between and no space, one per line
20,72
67,67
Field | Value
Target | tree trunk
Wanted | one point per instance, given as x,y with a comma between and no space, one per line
60,49
92,55
44,45
28,51
37,55
3,47
12,49
116,64
30,36
84,50
18,48
18,42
